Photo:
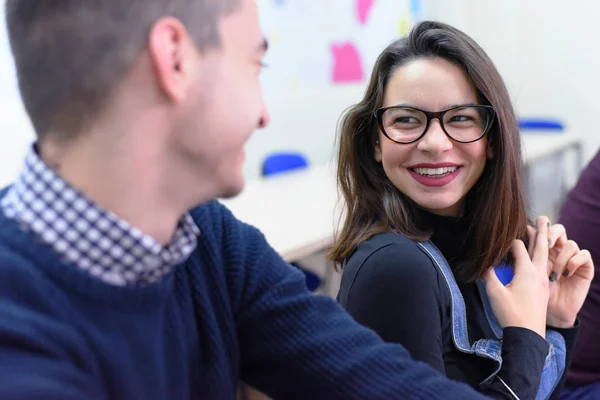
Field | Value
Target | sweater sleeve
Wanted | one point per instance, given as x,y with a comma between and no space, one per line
297,345
40,358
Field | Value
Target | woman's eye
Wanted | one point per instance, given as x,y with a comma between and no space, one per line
460,118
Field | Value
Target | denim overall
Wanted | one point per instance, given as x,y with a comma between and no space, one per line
492,348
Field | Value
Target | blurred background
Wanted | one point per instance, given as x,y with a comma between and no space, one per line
322,52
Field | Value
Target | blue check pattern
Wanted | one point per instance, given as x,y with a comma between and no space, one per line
88,236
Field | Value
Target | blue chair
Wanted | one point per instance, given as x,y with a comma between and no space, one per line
277,163
281,162
541,124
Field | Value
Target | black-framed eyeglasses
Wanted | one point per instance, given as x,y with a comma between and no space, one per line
464,124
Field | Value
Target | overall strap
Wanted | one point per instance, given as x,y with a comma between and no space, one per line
460,333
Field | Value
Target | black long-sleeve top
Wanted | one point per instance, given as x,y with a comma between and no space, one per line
391,286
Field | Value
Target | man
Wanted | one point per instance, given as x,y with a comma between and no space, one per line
110,288
581,217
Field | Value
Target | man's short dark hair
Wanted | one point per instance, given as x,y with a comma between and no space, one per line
71,54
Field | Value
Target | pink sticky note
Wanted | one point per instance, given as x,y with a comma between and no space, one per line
347,65
363,7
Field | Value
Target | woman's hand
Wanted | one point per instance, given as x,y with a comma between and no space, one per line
524,301
570,272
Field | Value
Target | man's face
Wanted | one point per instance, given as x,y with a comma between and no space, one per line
225,104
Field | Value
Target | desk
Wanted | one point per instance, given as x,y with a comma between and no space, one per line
537,146
298,211
547,180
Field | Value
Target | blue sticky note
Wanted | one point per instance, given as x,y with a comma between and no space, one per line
415,8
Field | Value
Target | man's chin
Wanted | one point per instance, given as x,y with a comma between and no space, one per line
233,190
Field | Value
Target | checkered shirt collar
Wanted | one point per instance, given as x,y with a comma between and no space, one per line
84,234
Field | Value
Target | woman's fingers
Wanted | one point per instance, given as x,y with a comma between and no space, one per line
569,250
558,235
540,251
493,286
521,256
580,264
531,232
524,301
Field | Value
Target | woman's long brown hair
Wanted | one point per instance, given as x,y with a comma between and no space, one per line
374,205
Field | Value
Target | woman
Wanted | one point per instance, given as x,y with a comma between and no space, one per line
430,166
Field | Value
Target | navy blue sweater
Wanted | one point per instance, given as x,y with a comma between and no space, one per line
234,310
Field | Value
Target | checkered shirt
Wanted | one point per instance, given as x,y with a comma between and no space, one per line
84,234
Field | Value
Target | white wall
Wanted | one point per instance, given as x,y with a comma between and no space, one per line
15,130
546,50
302,120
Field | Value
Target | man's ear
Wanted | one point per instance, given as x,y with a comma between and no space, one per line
171,51
377,151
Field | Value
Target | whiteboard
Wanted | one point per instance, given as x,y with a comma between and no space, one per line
313,43
321,53
319,43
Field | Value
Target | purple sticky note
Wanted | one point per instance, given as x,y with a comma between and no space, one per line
347,65
363,7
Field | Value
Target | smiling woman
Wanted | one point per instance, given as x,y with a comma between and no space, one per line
417,158
429,165
423,110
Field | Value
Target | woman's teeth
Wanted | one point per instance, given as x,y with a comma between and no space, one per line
435,171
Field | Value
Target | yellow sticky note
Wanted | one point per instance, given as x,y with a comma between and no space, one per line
274,39
403,26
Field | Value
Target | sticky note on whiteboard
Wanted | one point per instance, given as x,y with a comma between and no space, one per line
347,64
403,26
363,8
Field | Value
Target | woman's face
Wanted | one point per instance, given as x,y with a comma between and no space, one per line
435,172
